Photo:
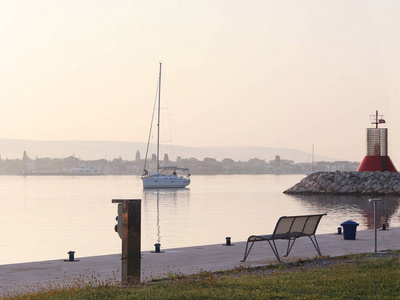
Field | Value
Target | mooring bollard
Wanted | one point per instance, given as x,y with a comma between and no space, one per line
228,242
157,249
71,256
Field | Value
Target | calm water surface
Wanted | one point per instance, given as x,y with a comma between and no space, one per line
44,217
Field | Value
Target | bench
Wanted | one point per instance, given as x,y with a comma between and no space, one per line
288,228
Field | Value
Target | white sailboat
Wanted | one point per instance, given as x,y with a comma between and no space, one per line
165,177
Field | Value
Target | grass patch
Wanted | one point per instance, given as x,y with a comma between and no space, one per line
366,276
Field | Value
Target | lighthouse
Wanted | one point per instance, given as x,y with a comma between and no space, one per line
377,158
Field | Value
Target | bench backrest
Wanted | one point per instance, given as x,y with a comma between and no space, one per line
296,226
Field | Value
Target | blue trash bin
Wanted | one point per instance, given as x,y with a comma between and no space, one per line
349,229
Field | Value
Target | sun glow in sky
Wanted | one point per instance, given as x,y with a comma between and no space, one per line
282,74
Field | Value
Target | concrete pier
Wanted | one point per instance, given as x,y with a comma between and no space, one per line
29,277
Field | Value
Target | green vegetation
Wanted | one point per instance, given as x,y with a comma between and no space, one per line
365,276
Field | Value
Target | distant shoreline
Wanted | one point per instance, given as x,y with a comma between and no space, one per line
207,166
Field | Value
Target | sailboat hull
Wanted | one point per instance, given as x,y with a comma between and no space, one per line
165,181
168,177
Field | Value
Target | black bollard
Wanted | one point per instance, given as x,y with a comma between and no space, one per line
383,226
228,242
71,256
157,250
339,230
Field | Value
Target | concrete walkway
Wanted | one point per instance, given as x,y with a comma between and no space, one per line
29,277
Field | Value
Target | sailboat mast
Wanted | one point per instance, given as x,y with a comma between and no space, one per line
158,121
312,159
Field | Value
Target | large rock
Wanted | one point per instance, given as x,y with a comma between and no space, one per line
379,183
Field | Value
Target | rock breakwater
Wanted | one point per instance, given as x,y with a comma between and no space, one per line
351,183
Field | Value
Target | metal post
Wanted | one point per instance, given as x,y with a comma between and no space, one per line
131,221
375,221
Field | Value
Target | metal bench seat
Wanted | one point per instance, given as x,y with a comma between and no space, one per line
288,228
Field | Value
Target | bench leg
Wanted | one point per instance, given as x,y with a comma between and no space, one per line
248,249
247,252
315,243
274,249
289,246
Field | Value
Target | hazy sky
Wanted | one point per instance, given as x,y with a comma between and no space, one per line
284,74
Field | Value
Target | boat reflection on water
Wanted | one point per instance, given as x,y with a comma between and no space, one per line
387,210
165,199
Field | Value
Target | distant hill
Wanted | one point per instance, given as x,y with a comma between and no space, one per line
91,150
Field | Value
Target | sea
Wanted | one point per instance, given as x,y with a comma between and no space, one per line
45,217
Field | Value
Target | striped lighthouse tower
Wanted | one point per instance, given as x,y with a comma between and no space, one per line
377,158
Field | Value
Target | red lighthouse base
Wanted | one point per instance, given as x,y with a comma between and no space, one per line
376,163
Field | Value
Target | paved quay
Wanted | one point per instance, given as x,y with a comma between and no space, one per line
19,278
